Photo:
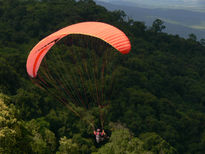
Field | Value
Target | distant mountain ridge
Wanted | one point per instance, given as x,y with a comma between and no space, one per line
181,22
194,5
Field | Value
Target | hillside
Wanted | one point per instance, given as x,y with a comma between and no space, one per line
191,5
156,101
181,22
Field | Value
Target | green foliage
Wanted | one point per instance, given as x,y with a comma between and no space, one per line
10,80
85,144
192,37
159,86
157,26
13,135
156,144
8,122
202,41
67,146
122,142
43,140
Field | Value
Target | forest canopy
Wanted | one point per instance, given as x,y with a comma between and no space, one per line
157,104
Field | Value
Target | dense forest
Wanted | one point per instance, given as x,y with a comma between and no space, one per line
157,105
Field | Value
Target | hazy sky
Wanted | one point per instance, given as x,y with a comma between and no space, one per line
180,4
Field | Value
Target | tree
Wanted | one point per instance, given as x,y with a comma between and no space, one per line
122,141
67,146
192,37
43,140
8,123
202,41
156,144
13,136
10,79
158,26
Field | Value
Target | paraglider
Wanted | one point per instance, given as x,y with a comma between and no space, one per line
79,71
99,135
105,32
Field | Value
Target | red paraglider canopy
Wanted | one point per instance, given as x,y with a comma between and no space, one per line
110,34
